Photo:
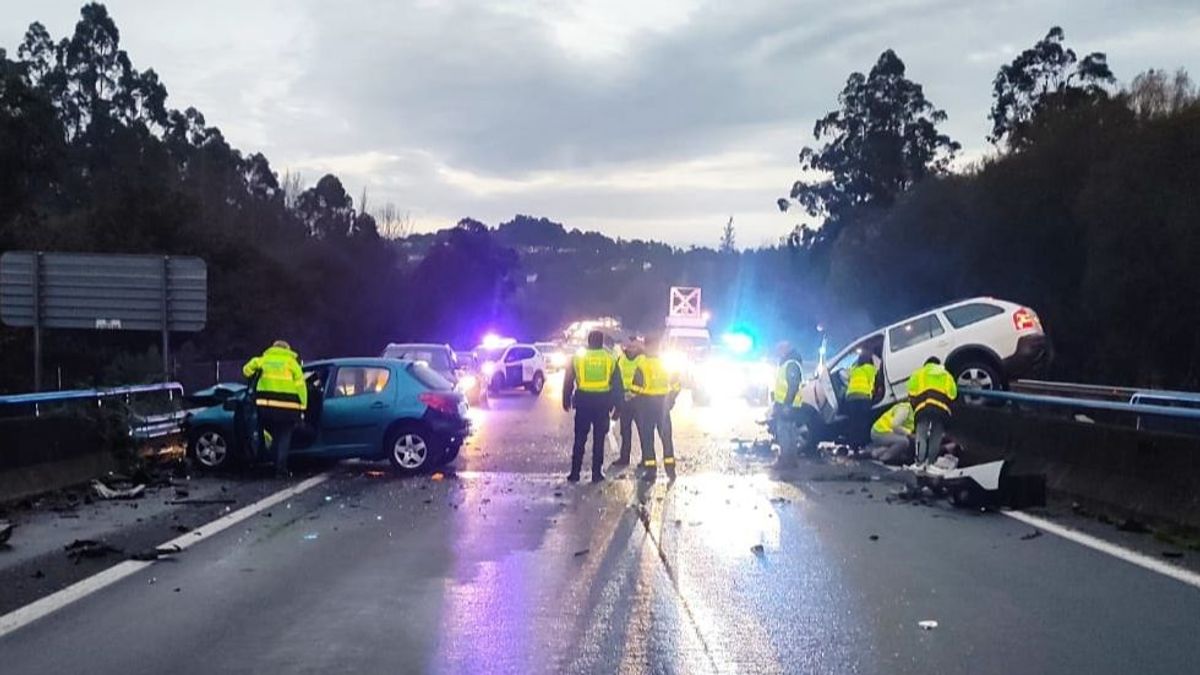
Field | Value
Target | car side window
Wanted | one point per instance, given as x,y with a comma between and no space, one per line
915,332
317,377
360,380
518,354
965,315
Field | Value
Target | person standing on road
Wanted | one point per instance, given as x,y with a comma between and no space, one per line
655,391
281,396
592,385
627,364
860,393
931,390
892,435
786,399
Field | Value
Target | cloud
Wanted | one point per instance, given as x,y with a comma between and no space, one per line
659,118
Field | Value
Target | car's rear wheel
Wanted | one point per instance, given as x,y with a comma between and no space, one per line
412,449
538,383
211,448
978,375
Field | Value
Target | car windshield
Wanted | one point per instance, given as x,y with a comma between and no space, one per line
429,377
486,355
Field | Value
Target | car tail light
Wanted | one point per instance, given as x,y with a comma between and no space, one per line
1026,319
443,403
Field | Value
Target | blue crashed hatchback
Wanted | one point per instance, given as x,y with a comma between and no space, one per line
366,408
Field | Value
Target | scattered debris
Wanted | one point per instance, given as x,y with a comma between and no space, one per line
182,529
105,492
156,553
181,493
311,536
88,548
374,474
874,537
1172,554
438,476
1031,535
38,574
176,589
780,500
757,549
202,502
582,552
558,493
429,501
1131,525
927,624
6,530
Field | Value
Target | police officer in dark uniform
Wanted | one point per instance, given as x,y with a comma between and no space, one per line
592,385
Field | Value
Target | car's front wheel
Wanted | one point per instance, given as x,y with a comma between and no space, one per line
412,449
538,383
211,448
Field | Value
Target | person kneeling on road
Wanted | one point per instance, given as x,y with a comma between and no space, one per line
592,384
892,435
281,396
931,390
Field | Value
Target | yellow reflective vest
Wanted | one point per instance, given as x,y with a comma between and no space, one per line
280,379
862,381
656,381
593,371
886,423
931,385
781,383
627,367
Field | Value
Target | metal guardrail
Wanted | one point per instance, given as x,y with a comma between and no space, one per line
1071,389
1083,403
142,427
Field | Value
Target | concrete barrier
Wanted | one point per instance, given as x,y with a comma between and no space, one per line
1148,474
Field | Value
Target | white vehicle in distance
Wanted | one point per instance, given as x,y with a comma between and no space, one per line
506,365
556,355
984,342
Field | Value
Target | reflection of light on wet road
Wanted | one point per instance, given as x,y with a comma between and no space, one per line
728,517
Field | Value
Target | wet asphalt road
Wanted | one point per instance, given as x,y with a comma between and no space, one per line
503,567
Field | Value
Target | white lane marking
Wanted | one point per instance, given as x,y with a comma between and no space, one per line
19,618
1140,559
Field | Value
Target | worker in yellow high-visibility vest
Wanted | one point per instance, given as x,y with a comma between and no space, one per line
655,390
627,364
892,434
281,396
860,394
592,385
931,390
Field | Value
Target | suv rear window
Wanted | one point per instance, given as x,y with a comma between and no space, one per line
965,315
429,377
915,332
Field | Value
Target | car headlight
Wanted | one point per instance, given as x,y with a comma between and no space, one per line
764,374
467,382
558,360
489,369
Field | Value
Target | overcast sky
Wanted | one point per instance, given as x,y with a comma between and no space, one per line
640,118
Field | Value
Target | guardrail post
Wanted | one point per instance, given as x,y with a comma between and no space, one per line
37,322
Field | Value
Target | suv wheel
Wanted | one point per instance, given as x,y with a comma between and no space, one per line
538,383
978,375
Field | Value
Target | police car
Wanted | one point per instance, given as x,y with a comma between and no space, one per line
507,365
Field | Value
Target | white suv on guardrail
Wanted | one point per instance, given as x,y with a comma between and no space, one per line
984,342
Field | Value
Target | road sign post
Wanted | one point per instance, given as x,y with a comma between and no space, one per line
88,291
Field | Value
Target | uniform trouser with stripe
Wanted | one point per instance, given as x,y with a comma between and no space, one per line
654,417
591,417
930,430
